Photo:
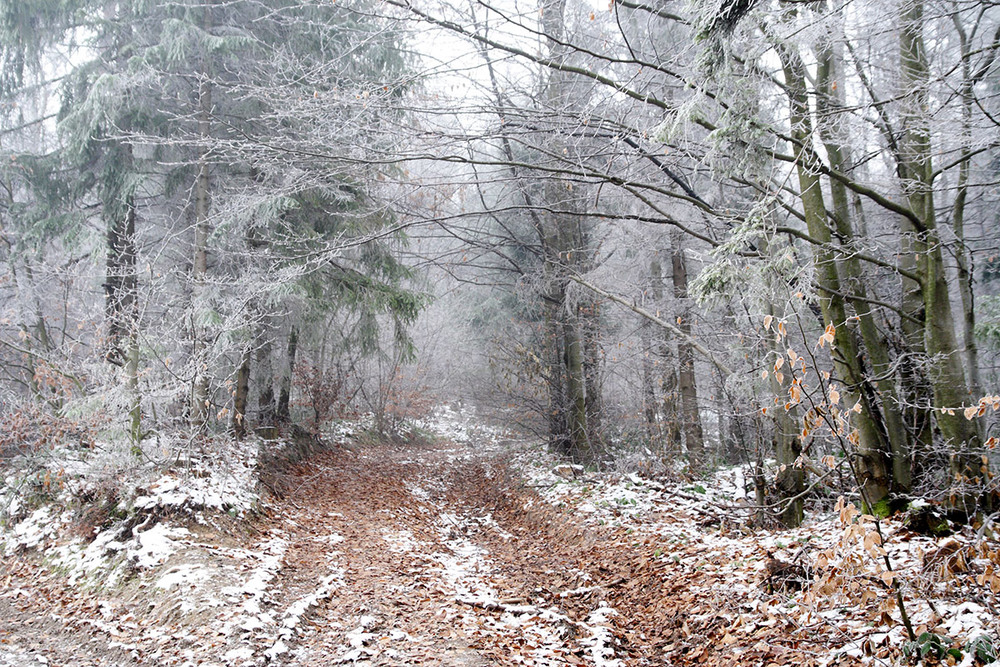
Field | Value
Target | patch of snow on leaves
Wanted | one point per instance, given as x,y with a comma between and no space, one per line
229,490
293,615
344,429
182,576
462,426
239,655
601,640
154,546
249,616
967,619
80,561
41,525
419,492
14,656
400,541
465,571
358,640
462,568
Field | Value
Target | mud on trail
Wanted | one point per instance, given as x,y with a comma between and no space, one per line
428,555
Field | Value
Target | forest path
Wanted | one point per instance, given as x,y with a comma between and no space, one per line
433,562
416,555
391,555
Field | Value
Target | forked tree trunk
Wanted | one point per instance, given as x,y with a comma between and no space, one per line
829,105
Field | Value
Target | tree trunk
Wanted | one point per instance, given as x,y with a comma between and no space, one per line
694,440
121,289
590,326
559,438
652,408
266,406
963,252
829,102
284,412
946,375
649,400
576,391
199,271
238,425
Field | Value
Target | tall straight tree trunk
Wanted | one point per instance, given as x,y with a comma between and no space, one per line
121,287
199,271
694,439
870,464
576,389
590,321
266,404
284,412
241,397
652,346
649,399
946,374
918,391
790,480
963,253
559,438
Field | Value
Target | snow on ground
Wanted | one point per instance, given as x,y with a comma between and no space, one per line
400,541
249,616
464,571
697,526
464,427
292,616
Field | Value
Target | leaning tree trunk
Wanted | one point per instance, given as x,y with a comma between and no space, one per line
870,467
829,103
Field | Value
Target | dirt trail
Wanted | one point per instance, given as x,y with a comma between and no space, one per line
431,568
392,556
